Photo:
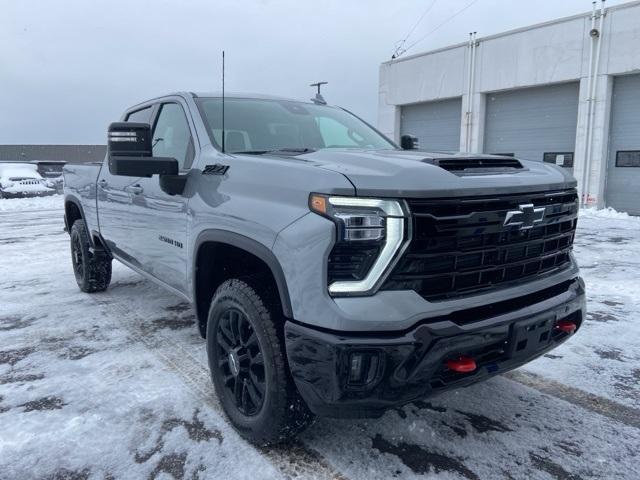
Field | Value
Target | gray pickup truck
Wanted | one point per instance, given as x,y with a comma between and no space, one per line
333,273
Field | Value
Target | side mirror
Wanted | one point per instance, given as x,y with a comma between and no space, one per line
142,166
128,139
409,142
130,152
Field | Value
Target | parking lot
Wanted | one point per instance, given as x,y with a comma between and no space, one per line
115,385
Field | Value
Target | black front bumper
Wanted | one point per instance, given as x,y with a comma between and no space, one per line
398,368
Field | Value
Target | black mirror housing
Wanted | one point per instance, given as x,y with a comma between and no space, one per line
173,184
127,139
409,142
130,152
142,166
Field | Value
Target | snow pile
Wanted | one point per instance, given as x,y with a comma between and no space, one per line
606,213
32,203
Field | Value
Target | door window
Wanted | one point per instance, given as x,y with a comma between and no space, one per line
172,137
140,116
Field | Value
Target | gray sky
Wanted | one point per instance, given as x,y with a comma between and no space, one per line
69,68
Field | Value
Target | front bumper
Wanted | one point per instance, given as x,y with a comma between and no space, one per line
400,367
27,193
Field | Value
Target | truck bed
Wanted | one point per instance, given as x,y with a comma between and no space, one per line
80,185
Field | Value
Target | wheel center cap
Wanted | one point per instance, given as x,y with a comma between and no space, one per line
234,363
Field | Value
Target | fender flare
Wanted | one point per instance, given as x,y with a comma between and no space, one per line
253,247
76,201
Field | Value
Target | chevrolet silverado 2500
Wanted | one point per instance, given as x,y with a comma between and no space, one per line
332,272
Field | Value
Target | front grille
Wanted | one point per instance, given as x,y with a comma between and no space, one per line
460,246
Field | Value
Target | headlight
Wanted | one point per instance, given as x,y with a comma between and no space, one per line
371,233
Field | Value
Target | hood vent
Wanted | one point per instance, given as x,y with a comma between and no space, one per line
475,166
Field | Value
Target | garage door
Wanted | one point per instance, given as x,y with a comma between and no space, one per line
623,168
533,123
436,124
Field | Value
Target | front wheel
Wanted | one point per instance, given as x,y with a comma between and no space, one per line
248,366
92,270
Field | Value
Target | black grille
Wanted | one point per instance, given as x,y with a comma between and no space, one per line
461,246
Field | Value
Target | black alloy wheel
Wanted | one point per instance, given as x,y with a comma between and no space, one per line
241,361
91,267
248,363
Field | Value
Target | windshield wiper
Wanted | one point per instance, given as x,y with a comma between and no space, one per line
279,151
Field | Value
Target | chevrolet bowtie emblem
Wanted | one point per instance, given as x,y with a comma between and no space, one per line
526,217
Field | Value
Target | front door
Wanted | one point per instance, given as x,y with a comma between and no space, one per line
115,195
159,220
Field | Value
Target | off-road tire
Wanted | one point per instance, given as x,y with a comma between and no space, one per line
283,413
92,270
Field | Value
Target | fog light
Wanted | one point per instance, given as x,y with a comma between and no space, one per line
355,371
363,368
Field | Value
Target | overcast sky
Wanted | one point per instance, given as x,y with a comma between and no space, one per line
69,68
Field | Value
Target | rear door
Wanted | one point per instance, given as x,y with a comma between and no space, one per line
114,197
159,220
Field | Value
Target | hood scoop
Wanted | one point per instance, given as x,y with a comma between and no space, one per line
477,166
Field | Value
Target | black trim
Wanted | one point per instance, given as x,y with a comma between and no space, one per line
102,247
76,201
401,367
253,247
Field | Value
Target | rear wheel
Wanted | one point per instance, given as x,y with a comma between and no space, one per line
92,270
248,366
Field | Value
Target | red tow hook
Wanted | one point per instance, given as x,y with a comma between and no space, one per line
566,326
462,364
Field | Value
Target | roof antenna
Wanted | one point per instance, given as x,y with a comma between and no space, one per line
223,133
319,99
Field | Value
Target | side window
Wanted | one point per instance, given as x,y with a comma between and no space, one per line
171,135
140,116
629,158
335,134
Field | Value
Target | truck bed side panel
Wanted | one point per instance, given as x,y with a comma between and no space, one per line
80,186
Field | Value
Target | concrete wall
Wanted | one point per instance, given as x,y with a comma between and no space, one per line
552,52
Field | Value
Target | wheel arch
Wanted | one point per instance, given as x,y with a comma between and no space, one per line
225,241
72,211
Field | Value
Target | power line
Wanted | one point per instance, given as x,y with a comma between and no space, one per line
399,51
444,22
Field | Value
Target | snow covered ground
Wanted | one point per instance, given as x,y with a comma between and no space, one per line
115,385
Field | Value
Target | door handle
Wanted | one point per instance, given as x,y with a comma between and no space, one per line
103,183
135,189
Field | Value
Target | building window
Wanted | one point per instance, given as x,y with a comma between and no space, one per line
628,158
562,159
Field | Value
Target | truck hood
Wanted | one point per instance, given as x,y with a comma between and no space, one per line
399,173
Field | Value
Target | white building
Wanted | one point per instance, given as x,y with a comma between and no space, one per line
565,91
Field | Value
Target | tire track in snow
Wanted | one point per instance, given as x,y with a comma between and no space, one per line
589,401
293,460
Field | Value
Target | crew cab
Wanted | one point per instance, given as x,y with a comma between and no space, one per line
332,272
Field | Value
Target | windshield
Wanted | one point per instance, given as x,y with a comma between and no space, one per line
258,126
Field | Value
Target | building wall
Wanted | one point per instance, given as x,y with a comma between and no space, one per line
549,53
67,153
